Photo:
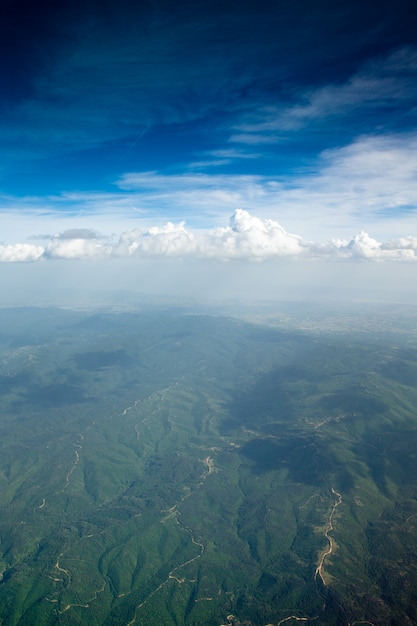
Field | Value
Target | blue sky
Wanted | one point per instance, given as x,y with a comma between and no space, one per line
233,130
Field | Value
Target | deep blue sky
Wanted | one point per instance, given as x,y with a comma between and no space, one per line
123,115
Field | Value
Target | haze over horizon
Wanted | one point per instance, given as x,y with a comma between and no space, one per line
155,142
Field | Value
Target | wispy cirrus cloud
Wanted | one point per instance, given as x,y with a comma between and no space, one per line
363,185
371,179
380,85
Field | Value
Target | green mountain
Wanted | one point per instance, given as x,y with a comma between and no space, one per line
183,469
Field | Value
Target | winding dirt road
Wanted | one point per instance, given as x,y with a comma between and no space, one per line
328,552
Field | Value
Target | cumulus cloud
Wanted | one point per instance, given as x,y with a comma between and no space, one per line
76,249
246,237
250,237
73,243
169,240
20,252
78,233
366,247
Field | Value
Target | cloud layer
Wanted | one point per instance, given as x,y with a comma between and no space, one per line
245,238
369,181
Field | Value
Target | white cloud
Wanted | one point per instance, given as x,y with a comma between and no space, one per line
251,237
328,101
247,237
78,233
381,83
20,253
366,247
195,195
76,249
369,185
170,240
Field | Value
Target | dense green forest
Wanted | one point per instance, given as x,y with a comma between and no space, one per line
167,467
